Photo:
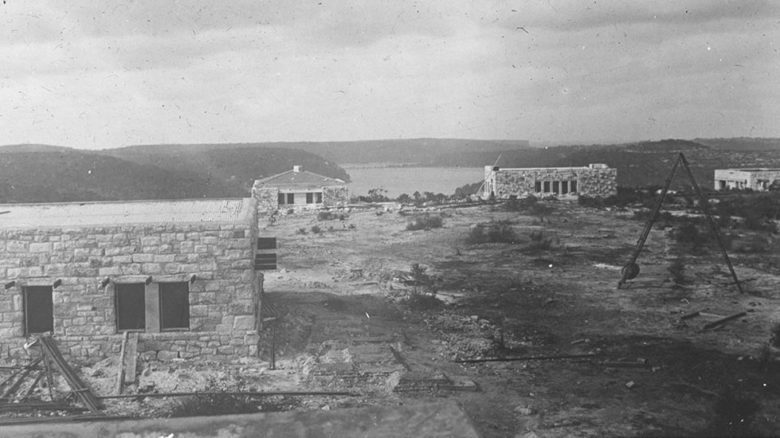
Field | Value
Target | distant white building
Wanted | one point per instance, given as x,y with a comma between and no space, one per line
759,179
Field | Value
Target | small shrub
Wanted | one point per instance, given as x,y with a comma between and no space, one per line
542,241
677,271
316,229
290,211
424,222
774,339
352,226
330,216
301,231
422,301
492,232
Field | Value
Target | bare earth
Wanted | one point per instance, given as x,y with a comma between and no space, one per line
345,324
505,300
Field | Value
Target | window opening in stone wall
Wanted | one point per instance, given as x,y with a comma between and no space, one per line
556,187
318,197
538,186
291,198
573,186
564,187
38,309
130,306
547,187
281,198
310,198
174,306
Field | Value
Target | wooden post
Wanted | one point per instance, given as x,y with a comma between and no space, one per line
120,378
131,359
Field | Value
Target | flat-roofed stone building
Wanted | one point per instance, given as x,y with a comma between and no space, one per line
594,180
181,273
759,179
299,189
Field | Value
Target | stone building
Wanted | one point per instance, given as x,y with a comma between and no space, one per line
179,272
760,179
595,180
299,189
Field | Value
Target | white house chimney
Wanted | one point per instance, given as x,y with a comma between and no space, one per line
296,168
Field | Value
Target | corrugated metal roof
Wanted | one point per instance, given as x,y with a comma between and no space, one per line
299,180
126,212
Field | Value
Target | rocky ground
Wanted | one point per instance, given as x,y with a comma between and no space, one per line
351,318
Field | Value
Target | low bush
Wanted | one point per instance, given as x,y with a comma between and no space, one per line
492,232
542,241
316,229
424,222
301,231
774,337
329,216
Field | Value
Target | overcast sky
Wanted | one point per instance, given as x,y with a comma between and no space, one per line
97,74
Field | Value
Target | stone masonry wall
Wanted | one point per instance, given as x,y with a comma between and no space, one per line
267,199
222,298
335,196
521,182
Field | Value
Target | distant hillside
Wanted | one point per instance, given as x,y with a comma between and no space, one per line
741,143
419,150
238,164
638,164
42,173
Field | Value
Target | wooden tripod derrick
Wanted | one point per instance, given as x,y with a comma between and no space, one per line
631,269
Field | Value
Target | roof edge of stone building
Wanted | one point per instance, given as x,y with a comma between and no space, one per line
325,179
127,213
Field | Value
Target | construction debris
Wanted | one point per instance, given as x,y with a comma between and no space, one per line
524,358
51,352
721,321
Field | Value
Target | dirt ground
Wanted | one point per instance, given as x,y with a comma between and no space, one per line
345,323
509,300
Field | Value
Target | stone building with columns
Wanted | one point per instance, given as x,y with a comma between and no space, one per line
594,180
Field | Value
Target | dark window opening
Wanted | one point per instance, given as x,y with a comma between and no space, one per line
547,187
538,186
130,307
174,306
556,187
310,198
573,186
291,198
38,309
564,187
281,198
318,197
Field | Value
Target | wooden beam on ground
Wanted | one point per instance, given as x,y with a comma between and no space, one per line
400,358
120,378
691,315
237,394
34,384
81,390
131,358
525,358
15,386
721,321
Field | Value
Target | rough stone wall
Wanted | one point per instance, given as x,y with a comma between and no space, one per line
521,182
267,198
222,297
335,196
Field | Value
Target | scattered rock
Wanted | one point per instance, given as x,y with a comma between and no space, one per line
523,410
630,384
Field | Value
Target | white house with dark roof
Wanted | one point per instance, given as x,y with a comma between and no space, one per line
299,189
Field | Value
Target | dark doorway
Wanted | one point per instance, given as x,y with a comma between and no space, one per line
130,307
174,306
38,309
